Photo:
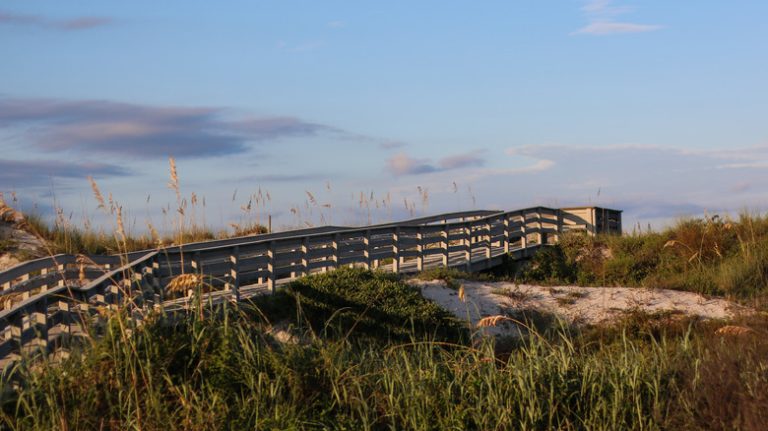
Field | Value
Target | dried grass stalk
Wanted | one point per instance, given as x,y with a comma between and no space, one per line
184,282
734,331
97,193
493,321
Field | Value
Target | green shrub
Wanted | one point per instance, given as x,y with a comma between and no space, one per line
375,303
549,265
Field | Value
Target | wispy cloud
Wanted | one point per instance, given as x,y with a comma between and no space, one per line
78,23
284,178
611,27
459,161
402,164
602,20
143,131
17,173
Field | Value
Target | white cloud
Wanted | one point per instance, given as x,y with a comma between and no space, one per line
601,16
610,27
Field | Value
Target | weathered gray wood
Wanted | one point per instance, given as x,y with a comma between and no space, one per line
470,240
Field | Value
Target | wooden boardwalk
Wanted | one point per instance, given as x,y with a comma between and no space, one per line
46,302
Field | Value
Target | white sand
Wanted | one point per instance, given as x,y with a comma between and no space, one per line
576,305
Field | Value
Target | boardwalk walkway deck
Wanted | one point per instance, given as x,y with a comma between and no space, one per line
45,302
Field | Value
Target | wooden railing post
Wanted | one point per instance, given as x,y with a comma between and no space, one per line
559,226
420,249
44,272
367,249
62,275
524,233
197,266
396,250
332,258
39,318
446,243
304,252
487,237
233,284
467,241
66,316
506,234
158,291
335,247
271,267
539,235
15,331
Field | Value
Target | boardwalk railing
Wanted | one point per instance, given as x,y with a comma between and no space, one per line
47,302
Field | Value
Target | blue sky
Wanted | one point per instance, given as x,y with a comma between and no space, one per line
654,107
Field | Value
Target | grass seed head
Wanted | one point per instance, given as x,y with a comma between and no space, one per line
184,282
734,331
489,321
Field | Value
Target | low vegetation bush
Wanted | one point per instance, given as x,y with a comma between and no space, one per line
376,305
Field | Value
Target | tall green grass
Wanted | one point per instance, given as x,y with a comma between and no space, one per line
223,369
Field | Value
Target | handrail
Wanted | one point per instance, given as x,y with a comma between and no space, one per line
247,266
